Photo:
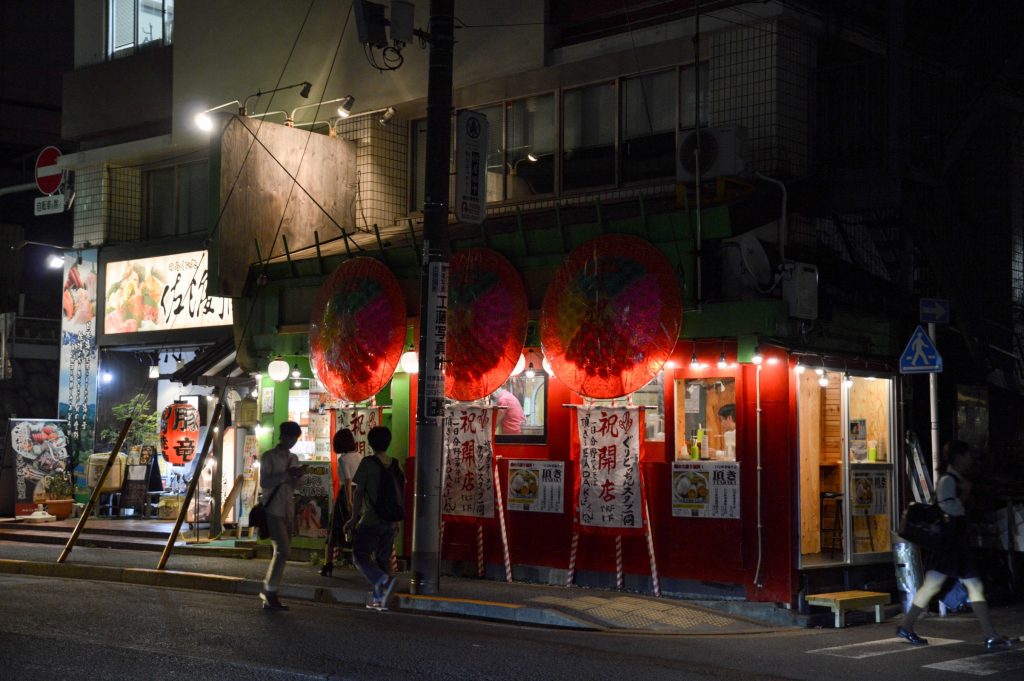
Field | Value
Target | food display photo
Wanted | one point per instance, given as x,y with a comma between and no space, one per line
40,451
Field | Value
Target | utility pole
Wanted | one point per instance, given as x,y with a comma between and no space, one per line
426,549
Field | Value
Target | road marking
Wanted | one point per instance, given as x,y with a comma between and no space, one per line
886,646
983,665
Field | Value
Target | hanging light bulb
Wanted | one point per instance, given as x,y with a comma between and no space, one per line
823,381
847,381
295,371
800,368
722,363
758,357
530,371
297,383
278,369
520,365
409,362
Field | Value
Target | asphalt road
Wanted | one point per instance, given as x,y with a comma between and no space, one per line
59,629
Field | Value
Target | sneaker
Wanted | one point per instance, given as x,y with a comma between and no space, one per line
997,642
270,602
375,603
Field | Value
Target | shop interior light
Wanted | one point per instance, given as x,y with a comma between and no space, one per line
546,365
203,120
255,392
55,262
823,381
772,360
847,381
295,371
345,108
278,369
800,368
758,357
520,365
296,383
722,362
154,371
820,371
694,362
530,371
410,362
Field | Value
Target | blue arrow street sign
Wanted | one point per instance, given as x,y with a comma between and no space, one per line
920,356
934,311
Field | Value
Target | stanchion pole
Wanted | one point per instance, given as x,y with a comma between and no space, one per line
95,492
191,490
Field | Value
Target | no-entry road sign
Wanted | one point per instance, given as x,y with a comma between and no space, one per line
49,177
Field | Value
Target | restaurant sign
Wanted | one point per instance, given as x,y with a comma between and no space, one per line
164,293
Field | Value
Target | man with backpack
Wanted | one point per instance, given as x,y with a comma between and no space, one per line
377,508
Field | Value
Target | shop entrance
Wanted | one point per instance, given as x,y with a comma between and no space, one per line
846,438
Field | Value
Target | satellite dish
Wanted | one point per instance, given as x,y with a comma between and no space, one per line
754,258
708,151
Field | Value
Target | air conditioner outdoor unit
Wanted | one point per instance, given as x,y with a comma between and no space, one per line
723,151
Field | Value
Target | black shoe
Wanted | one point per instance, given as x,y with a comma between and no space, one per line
997,642
270,601
327,569
911,637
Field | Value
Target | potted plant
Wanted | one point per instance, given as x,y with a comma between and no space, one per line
60,488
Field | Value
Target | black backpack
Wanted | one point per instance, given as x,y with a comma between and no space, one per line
390,501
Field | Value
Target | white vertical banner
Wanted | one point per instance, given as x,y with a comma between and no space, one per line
359,420
609,475
468,487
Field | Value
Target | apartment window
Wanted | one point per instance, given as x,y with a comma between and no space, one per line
688,94
648,123
137,23
588,136
177,200
530,143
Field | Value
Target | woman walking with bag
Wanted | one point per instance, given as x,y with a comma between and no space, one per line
348,460
279,472
956,558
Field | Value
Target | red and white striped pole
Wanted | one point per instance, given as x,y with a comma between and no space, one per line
479,550
618,562
501,521
572,558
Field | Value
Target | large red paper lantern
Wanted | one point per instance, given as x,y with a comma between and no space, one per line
611,316
179,432
357,329
487,313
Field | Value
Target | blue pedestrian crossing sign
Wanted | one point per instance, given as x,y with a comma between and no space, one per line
920,356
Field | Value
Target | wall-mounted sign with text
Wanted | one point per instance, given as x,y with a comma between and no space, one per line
164,293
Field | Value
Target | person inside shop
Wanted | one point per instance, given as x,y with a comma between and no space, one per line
348,461
510,416
956,558
727,422
372,535
280,472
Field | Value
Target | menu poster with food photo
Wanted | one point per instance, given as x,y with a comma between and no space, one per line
161,293
250,473
468,487
79,358
359,420
706,489
313,500
609,477
870,492
536,486
39,449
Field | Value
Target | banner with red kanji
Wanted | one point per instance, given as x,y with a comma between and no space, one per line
467,493
606,444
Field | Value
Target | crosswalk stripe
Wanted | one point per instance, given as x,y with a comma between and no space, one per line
983,665
885,646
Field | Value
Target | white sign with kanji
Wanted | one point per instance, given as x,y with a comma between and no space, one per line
468,488
609,476
359,420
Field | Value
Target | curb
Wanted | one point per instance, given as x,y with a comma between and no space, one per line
173,579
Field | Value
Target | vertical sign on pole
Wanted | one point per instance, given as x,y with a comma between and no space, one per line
472,131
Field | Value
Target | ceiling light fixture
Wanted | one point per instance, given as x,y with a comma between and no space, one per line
410,362
278,369
295,371
530,371
758,358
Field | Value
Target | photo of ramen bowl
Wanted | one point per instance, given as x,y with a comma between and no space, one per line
524,484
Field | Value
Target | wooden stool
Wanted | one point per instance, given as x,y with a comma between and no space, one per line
841,601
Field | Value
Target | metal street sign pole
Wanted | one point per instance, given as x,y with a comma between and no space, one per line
933,402
426,549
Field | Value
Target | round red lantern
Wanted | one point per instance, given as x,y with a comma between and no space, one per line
487,313
611,316
179,432
357,329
